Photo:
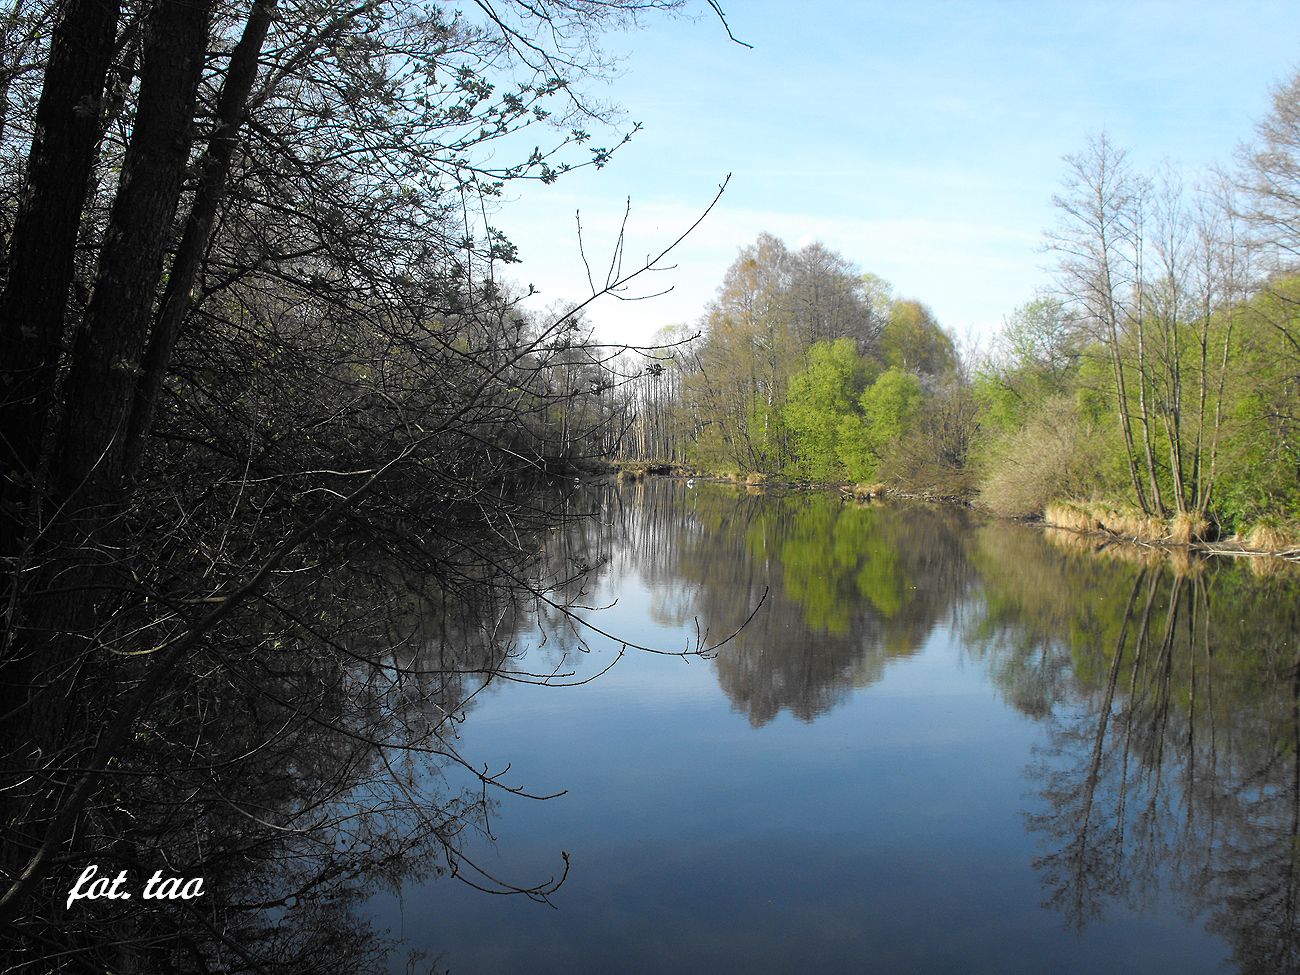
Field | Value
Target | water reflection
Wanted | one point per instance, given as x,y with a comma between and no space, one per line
1172,697
306,755
848,587
1168,688
1120,731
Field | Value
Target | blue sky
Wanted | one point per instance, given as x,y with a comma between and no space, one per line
921,140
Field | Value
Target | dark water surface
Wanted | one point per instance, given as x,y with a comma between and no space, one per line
941,745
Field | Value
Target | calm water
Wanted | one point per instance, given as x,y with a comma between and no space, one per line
941,745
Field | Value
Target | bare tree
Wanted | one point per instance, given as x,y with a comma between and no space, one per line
1269,175
1098,243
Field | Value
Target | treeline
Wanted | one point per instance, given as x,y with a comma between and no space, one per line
804,366
1156,387
1152,390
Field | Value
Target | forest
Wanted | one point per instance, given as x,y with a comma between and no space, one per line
1152,390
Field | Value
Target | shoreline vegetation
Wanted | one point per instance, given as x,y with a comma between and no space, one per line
1151,394
1100,526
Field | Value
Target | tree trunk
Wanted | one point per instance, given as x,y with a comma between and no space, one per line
42,248
50,658
40,272
106,357
178,298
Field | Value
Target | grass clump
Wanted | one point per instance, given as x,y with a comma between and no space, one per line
1075,515
865,492
1272,534
1187,527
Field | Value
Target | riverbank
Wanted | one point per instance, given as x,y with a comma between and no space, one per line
635,470
1268,538
1106,522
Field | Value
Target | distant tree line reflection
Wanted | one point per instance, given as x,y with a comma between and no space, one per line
849,587
1170,687
311,756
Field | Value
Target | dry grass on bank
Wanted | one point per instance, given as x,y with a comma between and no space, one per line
1185,528
1272,535
1271,542
1072,515
1126,521
865,492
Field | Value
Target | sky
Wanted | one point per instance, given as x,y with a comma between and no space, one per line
921,140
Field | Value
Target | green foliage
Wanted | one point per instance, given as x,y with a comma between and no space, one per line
1038,359
851,444
890,407
791,341
1169,379
912,340
1038,338
891,403
767,437
1260,456
819,399
1094,388
774,308
1000,407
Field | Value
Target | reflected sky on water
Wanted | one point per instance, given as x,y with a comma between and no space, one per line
942,744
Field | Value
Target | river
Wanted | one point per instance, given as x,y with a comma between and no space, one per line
942,743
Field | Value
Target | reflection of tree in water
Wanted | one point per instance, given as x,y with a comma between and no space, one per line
307,756
1171,690
651,520
1173,696
848,587
1172,703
